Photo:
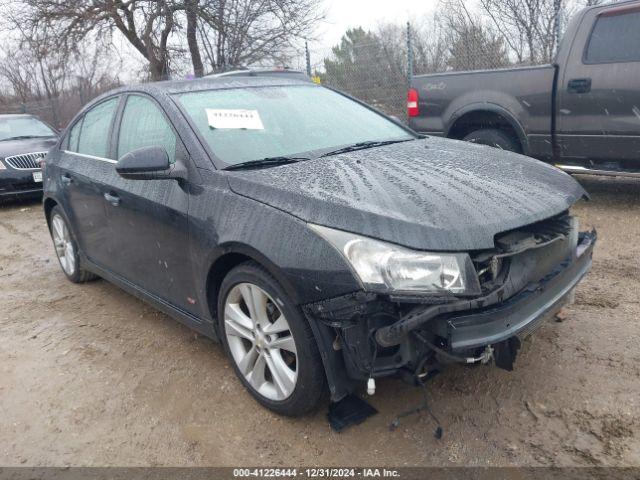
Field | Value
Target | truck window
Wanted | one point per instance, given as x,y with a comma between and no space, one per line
615,38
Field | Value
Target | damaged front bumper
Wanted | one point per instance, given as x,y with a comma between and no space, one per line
373,335
519,315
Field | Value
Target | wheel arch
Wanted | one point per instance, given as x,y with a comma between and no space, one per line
48,205
474,117
229,256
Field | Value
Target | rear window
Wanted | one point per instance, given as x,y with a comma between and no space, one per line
615,38
94,133
74,136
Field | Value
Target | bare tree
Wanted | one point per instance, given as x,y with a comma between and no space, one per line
430,46
56,80
93,71
244,32
529,27
17,70
49,66
228,32
146,24
471,44
191,12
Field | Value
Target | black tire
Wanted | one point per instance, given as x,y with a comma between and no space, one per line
494,138
79,274
311,380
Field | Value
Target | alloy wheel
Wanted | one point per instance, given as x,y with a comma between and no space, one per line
63,244
261,341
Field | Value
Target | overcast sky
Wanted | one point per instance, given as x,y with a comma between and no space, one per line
344,14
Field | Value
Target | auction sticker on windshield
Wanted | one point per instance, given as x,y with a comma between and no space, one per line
234,119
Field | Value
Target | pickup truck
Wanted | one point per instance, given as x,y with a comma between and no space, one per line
581,113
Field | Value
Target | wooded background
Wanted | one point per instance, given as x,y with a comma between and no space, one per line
57,55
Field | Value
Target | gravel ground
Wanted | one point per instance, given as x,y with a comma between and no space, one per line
89,375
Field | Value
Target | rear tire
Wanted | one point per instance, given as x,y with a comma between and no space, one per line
494,138
66,248
269,342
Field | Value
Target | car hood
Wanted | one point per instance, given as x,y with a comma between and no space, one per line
26,145
428,194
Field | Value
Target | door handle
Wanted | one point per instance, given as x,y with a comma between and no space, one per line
112,199
579,85
66,179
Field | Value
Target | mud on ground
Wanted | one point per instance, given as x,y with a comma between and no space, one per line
89,375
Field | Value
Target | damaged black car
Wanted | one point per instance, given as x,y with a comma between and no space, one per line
323,243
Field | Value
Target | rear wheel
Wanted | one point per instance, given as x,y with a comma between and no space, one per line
269,342
66,248
494,138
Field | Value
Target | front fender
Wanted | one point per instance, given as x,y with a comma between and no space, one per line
306,265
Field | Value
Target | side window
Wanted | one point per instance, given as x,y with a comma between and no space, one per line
94,134
615,38
144,125
74,135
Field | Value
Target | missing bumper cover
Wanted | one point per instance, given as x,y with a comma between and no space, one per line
485,324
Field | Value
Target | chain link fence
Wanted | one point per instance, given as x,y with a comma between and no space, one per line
378,68
374,67
367,71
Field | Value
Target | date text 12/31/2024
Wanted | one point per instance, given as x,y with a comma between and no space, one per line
315,473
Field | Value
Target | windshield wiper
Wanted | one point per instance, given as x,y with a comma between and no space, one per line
23,137
363,145
265,162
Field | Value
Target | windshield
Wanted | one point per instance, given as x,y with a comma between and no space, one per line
247,124
23,127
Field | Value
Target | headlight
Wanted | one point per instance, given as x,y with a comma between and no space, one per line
387,267
2,167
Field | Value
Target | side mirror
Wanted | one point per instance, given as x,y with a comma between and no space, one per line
146,163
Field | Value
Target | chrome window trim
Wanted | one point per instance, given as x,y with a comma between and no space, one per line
102,159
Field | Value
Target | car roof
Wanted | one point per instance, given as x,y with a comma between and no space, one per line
253,72
215,83
171,87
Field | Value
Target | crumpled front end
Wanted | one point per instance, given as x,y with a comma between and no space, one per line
527,277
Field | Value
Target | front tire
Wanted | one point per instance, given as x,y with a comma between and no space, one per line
269,342
67,248
494,138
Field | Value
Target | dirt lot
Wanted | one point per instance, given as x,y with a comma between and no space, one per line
91,376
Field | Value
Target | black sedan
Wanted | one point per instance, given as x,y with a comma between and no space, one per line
323,243
24,141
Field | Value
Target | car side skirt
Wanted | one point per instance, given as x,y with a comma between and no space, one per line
201,326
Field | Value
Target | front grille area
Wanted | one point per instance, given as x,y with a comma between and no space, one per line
533,250
26,161
535,234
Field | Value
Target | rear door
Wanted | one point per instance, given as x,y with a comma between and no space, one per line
599,90
83,166
148,219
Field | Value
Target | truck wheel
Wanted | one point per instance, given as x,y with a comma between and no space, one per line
270,343
494,138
